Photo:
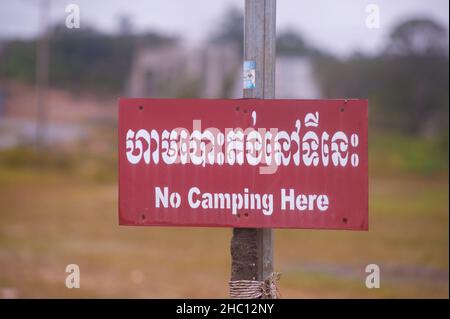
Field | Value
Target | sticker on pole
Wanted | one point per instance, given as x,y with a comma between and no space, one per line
243,163
249,74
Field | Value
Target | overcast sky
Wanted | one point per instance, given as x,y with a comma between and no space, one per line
335,25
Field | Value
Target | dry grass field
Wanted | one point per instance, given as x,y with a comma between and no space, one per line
49,220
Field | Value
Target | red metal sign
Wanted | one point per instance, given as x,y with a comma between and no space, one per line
243,163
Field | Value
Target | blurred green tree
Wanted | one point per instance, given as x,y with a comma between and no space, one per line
407,83
418,37
230,29
80,59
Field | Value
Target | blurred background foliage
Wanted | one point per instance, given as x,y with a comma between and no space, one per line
81,59
406,84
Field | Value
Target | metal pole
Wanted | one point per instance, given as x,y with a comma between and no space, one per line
251,248
42,63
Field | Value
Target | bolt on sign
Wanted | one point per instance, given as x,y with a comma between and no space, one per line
243,163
